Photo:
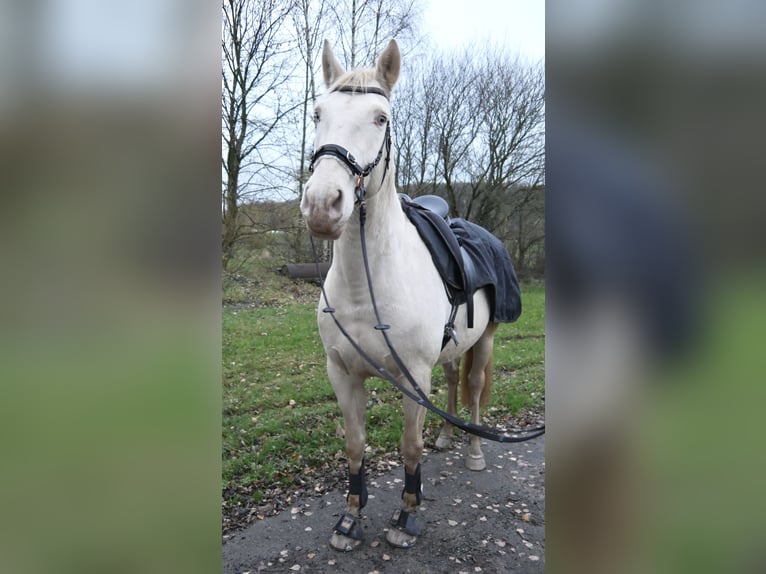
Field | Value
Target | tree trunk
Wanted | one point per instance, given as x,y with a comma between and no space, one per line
230,228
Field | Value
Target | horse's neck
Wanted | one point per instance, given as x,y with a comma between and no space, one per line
384,234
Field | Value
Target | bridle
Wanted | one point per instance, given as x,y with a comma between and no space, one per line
420,397
341,153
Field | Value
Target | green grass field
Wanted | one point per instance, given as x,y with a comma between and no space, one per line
280,416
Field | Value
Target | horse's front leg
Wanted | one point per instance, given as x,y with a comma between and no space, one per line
446,434
349,390
406,524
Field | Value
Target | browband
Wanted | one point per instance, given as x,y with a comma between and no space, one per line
360,90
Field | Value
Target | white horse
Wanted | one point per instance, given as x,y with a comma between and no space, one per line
355,116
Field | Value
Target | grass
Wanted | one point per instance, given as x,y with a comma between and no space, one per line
280,417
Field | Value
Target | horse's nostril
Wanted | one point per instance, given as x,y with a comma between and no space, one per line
337,203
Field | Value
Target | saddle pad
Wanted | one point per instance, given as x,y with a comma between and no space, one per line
494,269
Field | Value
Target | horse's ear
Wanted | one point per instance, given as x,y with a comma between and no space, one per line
388,65
331,68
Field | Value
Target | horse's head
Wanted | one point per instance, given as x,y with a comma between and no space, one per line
352,140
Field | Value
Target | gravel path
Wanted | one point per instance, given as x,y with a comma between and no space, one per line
488,521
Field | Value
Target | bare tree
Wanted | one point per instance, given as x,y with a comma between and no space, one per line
414,113
510,147
309,24
456,125
254,65
405,122
365,26
309,18
470,127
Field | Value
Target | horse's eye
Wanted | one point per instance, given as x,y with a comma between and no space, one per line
316,117
381,120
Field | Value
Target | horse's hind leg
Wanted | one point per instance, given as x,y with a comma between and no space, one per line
406,524
349,390
451,375
477,380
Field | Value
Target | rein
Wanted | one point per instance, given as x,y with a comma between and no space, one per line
360,192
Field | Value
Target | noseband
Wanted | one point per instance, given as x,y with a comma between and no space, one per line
341,153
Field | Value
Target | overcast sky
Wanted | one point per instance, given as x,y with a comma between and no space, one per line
519,24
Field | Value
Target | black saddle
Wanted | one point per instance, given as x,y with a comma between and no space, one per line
432,202
467,257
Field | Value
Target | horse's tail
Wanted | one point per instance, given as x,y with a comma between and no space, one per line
465,388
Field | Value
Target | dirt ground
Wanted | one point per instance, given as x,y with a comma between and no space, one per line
491,521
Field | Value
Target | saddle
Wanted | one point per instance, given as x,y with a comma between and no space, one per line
429,215
467,257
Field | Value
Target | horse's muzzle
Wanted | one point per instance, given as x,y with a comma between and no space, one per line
324,212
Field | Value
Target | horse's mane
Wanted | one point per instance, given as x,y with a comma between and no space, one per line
363,78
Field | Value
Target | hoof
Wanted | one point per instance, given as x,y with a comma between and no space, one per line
475,462
348,533
343,543
443,442
400,539
405,529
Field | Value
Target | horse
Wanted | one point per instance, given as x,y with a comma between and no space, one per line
352,130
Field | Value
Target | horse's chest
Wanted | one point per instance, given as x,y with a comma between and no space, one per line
415,336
